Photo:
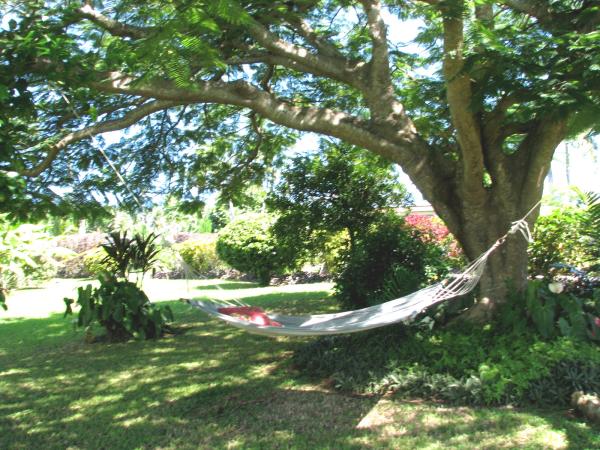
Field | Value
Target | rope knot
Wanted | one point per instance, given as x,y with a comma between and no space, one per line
521,226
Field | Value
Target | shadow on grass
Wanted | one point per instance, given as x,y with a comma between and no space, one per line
206,388
212,387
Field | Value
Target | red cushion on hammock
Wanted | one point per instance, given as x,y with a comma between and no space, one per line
252,314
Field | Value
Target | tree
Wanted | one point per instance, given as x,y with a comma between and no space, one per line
473,121
341,188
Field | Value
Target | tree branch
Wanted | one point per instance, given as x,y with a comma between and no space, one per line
549,19
531,8
380,94
400,144
343,70
536,154
492,121
321,44
459,95
112,26
103,127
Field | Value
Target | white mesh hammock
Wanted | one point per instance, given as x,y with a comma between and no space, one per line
398,310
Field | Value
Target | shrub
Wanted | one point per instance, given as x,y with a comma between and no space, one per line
557,313
121,307
389,260
62,254
201,255
557,239
433,231
73,267
461,366
84,265
25,255
81,243
94,263
248,245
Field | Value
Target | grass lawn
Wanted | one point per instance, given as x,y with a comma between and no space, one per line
214,386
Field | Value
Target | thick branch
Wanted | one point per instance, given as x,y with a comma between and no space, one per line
240,93
380,94
493,120
321,44
544,14
400,145
342,70
103,127
112,26
459,94
275,60
536,153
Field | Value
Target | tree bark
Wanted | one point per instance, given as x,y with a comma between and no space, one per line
506,269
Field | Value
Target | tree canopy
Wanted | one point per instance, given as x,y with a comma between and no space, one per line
212,91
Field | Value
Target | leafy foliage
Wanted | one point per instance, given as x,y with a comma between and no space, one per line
25,255
433,231
121,308
136,254
389,260
557,238
562,314
196,82
92,263
119,305
591,228
459,366
338,189
564,378
200,255
248,245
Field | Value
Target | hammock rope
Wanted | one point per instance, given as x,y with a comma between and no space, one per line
400,309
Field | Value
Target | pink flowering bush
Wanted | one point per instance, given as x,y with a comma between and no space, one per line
433,231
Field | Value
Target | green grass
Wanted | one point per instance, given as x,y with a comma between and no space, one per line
214,386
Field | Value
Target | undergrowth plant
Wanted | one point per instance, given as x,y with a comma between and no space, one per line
464,365
558,313
121,308
119,305
136,254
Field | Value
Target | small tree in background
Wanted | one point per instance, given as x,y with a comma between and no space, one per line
340,189
248,245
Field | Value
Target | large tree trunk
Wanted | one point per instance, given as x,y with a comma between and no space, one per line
506,269
505,274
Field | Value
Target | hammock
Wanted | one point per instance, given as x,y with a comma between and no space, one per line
406,308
